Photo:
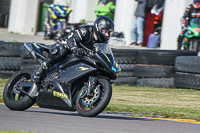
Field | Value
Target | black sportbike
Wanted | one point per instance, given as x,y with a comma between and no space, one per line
77,83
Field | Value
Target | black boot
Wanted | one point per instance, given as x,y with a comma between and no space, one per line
38,74
179,41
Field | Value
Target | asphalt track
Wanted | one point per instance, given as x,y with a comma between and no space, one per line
54,121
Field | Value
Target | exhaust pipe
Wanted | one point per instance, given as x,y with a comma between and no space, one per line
29,47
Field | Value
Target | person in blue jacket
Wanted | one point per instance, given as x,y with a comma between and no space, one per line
139,23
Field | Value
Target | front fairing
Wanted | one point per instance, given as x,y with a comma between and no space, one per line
194,28
193,31
105,58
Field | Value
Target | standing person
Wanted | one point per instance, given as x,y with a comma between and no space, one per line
77,41
139,23
192,11
105,8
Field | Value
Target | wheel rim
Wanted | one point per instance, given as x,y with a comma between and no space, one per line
13,94
86,103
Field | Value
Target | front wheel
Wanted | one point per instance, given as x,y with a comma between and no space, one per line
90,106
14,99
194,45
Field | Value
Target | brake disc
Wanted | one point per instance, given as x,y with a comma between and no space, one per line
88,100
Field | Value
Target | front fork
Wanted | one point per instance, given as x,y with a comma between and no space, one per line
185,43
91,85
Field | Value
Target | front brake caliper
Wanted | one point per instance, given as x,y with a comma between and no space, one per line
91,85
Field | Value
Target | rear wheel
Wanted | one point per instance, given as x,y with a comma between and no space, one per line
14,99
90,106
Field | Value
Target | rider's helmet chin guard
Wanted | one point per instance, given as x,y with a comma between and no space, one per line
101,23
195,5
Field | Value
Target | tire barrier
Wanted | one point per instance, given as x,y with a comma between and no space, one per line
147,71
127,59
13,57
156,82
127,70
9,58
190,64
187,80
10,49
6,74
161,57
29,64
125,56
156,68
10,63
187,72
125,80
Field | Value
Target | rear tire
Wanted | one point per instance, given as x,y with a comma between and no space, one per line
14,99
97,103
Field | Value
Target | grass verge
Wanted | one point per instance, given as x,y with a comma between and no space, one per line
14,131
165,102
2,85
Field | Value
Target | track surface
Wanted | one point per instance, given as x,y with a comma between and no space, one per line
52,121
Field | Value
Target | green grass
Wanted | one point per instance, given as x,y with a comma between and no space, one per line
168,103
14,131
2,85
165,102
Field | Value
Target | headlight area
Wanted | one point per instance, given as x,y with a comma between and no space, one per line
117,73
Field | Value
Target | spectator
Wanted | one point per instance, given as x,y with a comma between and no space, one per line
105,8
138,24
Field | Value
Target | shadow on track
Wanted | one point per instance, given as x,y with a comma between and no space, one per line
100,116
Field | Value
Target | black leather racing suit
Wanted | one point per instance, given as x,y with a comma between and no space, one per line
75,41
80,38
189,14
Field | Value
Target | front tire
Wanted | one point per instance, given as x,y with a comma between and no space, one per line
14,99
194,45
92,106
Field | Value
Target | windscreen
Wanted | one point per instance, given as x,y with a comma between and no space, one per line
105,49
195,21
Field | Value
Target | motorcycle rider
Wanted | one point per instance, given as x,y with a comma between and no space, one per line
54,13
85,36
192,11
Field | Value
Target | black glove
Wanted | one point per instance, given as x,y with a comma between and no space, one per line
68,43
82,51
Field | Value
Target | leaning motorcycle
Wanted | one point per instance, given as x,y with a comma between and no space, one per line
56,21
191,39
77,83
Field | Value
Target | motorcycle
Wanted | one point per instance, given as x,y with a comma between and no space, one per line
154,38
191,38
158,11
56,21
77,83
